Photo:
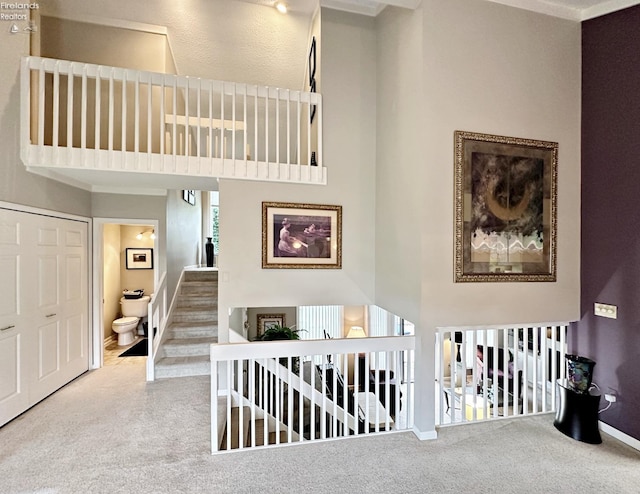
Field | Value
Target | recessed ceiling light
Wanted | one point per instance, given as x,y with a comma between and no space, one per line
282,7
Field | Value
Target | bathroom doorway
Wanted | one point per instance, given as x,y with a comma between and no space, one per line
115,245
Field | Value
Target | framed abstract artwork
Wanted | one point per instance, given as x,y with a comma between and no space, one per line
505,208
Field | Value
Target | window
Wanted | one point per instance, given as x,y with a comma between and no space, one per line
215,220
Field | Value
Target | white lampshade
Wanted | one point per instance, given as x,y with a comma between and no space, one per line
356,332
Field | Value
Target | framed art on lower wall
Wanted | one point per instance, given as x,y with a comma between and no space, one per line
139,258
505,208
266,321
301,236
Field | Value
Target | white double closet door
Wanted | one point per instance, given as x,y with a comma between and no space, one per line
44,307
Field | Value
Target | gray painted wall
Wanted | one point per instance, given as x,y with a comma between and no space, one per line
487,68
16,184
348,82
184,235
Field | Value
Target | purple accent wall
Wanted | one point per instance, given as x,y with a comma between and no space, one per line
611,211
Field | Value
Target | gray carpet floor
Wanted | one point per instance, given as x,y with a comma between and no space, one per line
110,431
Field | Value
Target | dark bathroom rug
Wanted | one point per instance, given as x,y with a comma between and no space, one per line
140,349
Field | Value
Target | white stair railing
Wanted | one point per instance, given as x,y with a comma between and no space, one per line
490,373
354,394
86,116
157,316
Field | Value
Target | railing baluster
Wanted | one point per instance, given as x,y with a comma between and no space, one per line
230,429
136,116
210,150
265,403
298,131
149,117
255,136
162,122
289,131
83,113
252,399
240,391
70,111
233,125
277,109
198,126
345,391
56,106
266,129
223,143
301,381
312,406
245,145
111,115
290,403
123,144
98,111
174,137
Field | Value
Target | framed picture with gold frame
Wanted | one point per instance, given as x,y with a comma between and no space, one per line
505,208
266,321
302,236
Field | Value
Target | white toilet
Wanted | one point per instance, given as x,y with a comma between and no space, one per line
132,311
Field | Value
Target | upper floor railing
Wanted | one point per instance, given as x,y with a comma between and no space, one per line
92,117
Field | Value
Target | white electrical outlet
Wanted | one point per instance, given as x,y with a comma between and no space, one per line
605,310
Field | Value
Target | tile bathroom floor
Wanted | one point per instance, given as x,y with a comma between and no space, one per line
112,352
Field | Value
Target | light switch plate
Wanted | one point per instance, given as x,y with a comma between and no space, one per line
605,310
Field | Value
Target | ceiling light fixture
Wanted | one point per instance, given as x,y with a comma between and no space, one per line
282,7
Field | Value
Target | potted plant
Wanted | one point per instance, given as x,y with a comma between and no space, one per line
277,332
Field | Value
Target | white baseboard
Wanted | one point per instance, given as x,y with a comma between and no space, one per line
110,339
620,436
425,435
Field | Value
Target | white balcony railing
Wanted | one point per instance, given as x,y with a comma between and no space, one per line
273,393
91,117
500,372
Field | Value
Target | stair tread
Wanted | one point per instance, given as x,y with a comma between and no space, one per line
181,360
191,341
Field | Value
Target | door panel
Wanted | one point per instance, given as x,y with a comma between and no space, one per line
14,398
48,281
48,350
44,303
75,340
9,286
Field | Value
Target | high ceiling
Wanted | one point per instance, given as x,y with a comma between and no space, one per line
569,9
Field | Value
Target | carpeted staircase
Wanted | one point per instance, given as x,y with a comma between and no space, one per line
234,430
193,328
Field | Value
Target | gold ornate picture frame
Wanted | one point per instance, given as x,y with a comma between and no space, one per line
301,236
505,208
266,321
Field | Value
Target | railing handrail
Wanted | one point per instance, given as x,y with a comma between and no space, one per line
473,327
154,337
230,88
293,348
